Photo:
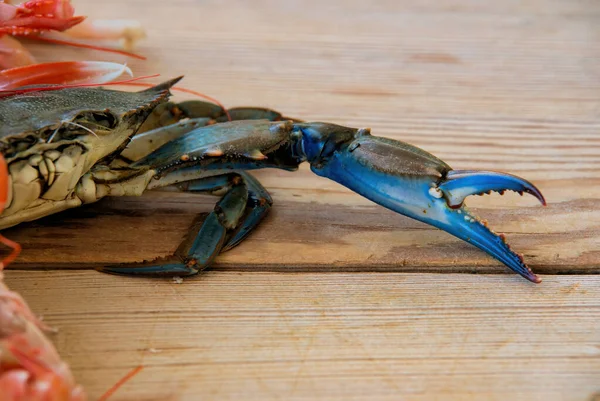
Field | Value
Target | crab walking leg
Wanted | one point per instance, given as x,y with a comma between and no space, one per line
259,204
145,143
171,120
171,112
253,113
242,207
258,201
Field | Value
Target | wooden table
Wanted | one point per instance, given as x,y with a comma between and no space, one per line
334,298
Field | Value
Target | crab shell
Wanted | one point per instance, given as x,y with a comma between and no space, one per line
51,139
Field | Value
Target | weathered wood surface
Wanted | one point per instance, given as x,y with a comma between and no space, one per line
346,336
511,85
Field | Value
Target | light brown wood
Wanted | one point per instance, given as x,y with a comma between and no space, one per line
270,336
319,302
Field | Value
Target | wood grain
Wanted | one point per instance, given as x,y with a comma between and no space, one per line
270,336
320,302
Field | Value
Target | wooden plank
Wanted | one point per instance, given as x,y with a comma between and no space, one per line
510,86
304,236
271,336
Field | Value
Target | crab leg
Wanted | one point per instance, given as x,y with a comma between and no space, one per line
258,199
164,123
242,207
145,142
391,173
170,113
259,204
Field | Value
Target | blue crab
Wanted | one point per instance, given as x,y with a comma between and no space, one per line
74,146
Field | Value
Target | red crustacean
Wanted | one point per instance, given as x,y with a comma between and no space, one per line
37,16
30,367
54,21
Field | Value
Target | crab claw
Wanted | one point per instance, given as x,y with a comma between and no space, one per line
412,182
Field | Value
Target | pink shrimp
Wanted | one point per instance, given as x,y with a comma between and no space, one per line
54,21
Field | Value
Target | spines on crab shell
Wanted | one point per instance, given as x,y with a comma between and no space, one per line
57,109
80,74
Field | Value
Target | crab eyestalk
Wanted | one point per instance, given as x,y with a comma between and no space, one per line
412,182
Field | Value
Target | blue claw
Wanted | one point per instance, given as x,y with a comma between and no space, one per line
414,183
459,184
